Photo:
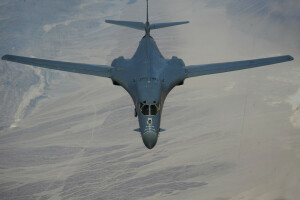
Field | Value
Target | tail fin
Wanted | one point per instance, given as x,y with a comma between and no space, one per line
145,26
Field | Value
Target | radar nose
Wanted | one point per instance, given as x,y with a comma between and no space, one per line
149,139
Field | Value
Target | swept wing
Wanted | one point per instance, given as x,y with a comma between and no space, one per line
96,70
200,70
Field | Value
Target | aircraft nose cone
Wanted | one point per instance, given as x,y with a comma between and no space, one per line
149,139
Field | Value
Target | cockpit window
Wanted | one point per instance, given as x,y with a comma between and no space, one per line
145,109
153,109
149,109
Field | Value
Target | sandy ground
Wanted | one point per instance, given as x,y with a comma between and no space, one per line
229,136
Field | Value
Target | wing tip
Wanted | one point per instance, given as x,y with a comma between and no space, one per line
290,58
5,57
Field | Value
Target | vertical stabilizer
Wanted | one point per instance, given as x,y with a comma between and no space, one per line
147,13
145,26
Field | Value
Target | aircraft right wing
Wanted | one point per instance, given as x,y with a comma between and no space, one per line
200,70
96,70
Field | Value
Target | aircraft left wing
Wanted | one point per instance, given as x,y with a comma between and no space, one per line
96,70
200,70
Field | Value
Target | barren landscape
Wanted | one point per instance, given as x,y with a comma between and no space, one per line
231,136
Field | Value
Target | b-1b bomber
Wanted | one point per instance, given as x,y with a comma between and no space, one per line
148,77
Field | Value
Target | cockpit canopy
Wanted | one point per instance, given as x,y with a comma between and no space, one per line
147,109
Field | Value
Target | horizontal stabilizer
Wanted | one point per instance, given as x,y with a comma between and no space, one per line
163,25
145,26
130,24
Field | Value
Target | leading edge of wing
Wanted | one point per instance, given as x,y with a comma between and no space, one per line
200,70
96,70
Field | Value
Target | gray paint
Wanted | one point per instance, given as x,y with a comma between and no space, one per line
148,77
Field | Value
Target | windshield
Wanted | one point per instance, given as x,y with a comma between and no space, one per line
147,109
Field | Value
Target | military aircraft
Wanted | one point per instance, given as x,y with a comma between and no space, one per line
148,77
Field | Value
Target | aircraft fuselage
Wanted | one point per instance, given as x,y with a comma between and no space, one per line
148,77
